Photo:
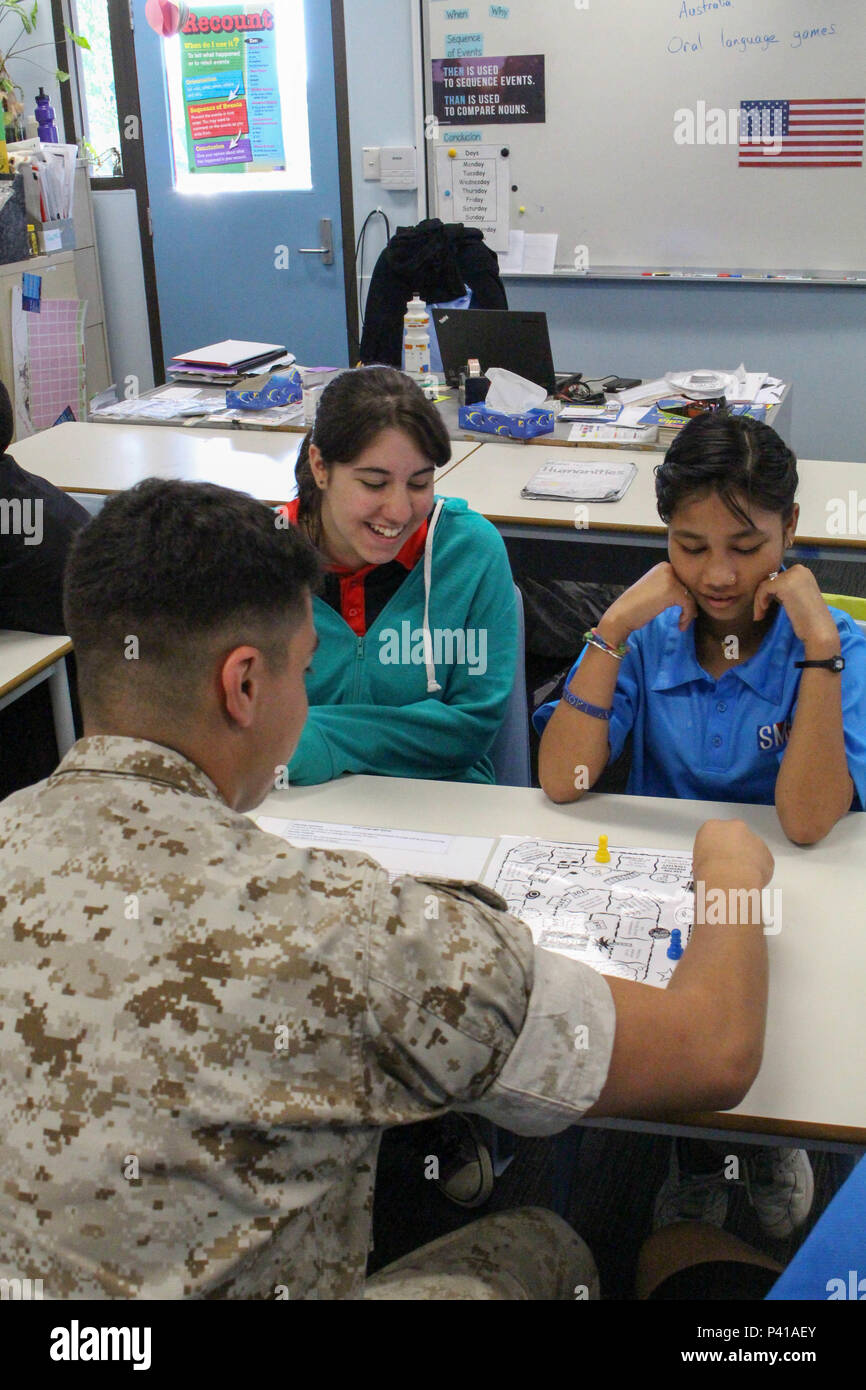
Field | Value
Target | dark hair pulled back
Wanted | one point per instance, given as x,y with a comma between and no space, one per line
353,411
740,459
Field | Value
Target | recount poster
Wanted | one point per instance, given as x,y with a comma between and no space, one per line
231,94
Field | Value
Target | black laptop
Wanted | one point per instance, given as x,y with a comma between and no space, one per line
498,338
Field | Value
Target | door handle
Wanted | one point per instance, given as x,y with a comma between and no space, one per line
326,250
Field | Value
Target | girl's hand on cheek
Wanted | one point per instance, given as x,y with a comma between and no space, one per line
796,589
658,589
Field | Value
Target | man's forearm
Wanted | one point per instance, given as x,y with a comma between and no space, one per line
727,948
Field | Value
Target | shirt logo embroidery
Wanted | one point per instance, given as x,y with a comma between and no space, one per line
772,736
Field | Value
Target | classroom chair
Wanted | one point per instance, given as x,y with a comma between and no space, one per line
439,261
854,607
510,749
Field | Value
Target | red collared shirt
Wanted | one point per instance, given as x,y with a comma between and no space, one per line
360,595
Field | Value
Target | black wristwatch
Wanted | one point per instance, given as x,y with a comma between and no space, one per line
832,663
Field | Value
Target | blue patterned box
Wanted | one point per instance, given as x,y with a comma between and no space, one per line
523,426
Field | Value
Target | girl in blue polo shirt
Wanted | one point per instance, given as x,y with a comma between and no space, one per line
735,678
738,683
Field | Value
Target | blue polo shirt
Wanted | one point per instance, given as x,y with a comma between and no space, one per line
721,740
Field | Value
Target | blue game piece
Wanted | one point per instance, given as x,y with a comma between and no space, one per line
675,949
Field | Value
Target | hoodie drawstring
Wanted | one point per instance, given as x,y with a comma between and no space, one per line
432,683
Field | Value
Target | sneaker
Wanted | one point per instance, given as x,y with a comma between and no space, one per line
465,1166
685,1196
781,1187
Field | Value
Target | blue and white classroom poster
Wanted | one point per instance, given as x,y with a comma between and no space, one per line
231,92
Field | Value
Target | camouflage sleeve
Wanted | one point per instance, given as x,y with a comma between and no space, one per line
463,1010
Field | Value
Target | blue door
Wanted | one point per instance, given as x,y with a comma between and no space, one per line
228,264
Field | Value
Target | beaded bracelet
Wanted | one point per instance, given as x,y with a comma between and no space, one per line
594,639
576,703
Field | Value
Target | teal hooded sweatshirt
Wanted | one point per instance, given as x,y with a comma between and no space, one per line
405,702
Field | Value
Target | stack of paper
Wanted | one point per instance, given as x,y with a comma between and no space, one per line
164,407
771,392
663,416
600,433
49,178
529,253
577,481
228,360
600,414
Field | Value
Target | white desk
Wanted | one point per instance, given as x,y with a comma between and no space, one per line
811,1081
779,416
88,458
27,659
492,476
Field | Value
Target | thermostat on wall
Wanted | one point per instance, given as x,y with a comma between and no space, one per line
398,167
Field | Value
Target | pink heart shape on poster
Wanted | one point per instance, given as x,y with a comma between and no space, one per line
165,16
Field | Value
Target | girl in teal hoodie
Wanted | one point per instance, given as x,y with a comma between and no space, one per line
416,619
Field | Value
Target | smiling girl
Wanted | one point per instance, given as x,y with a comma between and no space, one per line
702,659
416,621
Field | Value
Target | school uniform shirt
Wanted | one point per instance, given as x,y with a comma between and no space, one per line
204,1031
416,658
360,595
721,740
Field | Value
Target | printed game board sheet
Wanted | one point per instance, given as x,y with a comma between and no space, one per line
616,917
398,851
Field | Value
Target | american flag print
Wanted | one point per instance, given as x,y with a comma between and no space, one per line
813,133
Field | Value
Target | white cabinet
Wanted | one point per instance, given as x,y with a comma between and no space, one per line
90,287
65,275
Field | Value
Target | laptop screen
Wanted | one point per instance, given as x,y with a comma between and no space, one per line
516,340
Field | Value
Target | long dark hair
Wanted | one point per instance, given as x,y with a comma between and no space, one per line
732,455
353,411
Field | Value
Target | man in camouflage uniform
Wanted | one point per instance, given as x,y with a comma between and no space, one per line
204,1031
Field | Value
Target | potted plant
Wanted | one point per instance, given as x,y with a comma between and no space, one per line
17,23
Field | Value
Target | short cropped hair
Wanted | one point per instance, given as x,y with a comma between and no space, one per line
187,570
740,459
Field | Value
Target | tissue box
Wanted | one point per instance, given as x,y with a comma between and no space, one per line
281,390
525,425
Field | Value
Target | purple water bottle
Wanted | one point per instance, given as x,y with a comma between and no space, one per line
44,114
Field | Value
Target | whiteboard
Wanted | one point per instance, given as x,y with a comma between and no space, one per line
640,159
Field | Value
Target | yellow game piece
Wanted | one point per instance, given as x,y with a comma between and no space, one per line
452,153
602,856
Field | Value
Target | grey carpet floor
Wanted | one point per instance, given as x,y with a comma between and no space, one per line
614,1179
